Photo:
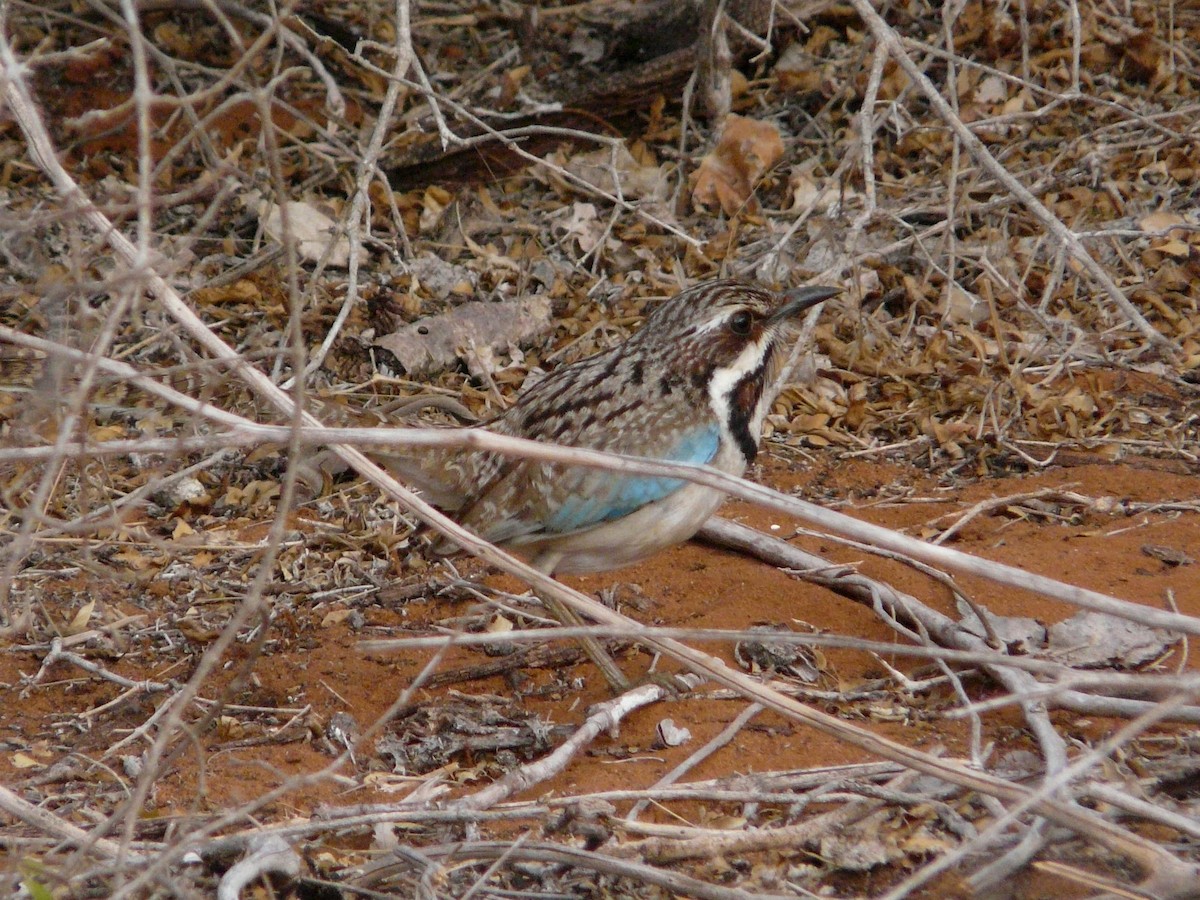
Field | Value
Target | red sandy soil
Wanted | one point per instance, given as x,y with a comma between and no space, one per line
308,662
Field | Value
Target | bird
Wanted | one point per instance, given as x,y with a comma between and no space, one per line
692,385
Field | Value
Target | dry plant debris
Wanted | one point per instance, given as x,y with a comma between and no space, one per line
409,213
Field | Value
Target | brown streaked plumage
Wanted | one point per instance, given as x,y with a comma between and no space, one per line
691,385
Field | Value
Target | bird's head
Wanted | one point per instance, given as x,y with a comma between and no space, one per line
727,339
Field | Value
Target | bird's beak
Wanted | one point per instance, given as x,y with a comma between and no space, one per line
800,299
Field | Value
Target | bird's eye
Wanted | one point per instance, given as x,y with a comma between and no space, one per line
740,322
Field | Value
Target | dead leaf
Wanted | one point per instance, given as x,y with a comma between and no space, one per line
80,620
1144,57
433,204
810,190
197,631
440,279
616,171
510,85
230,728
23,761
259,491
241,291
1171,556
499,625
798,69
672,735
133,558
107,432
1090,639
581,224
962,306
855,850
728,174
991,89
336,617
923,842
726,823
312,229
1159,221
435,343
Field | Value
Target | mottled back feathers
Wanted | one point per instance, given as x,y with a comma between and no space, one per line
696,377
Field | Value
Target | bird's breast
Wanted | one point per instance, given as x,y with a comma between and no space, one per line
655,526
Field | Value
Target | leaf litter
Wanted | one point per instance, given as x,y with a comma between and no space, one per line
968,349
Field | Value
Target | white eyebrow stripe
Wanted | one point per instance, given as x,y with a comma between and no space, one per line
716,321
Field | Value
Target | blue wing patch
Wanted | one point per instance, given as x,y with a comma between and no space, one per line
627,493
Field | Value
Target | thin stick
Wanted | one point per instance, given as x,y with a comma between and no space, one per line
604,717
727,734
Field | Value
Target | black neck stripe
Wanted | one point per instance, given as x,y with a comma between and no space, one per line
742,401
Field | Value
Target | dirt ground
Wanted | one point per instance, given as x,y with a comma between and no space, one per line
57,731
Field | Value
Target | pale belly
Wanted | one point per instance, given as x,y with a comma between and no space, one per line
637,536
640,534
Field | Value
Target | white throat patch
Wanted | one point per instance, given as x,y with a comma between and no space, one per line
726,379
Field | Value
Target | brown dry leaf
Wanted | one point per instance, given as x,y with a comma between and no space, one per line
811,190
510,85
659,128
728,174
922,842
434,343
23,761
230,729
1173,247
499,625
336,617
80,621
1161,220
259,491
107,433
175,38
617,170
991,90
1019,102
241,291
945,433
856,850
196,631
582,224
134,559
797,70
313,230
1168,238
727,823
1144,57
433,204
